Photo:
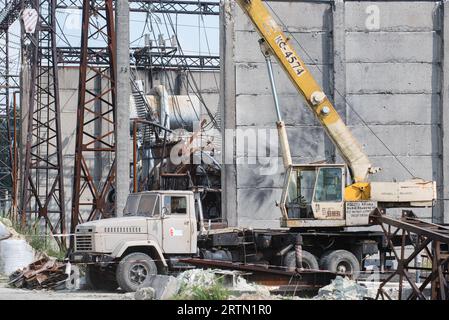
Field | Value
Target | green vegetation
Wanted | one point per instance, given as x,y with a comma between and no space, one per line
214,291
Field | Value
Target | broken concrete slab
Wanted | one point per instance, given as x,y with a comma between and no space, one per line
165,287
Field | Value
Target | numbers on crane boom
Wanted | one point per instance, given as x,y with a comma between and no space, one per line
291,57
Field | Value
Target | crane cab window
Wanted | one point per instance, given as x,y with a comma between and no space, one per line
175,204
329,185
300,193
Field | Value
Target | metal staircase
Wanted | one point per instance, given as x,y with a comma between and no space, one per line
143,109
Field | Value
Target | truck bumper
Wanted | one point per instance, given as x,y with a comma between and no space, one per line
85,257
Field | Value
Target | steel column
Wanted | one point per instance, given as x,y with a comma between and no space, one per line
90,197
43,187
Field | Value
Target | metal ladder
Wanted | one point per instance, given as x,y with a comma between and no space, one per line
143,108
248,245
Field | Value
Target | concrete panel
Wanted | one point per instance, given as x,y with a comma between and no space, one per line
401,140
258,110
306,142
394,16
314,47
394,108
246,73
297,16
207,82
424,167
68,99
257,207
393,47
68,130
392,78
266,173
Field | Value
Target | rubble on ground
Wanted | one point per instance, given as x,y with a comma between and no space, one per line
145,294
232,281
343,289
42,274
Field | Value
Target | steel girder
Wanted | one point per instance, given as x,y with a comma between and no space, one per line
95,116
43,186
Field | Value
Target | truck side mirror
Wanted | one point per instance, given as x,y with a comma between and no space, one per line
164,212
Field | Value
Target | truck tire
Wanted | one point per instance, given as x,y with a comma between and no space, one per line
309,261
341,261
100,279
134,270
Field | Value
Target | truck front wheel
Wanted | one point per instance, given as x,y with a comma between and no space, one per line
134,271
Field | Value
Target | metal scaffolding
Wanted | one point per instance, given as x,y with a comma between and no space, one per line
146,58
95,116
5,124
43,186
424,238
8,197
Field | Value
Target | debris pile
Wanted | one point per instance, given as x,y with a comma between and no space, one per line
343,289
217,284
41,274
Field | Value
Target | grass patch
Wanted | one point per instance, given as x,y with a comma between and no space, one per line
215,291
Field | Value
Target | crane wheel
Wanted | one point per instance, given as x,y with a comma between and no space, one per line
341,261
309,261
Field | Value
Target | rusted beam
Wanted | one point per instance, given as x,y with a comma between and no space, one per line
43,186
90,196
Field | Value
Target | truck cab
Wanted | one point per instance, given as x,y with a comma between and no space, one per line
121,252
170,217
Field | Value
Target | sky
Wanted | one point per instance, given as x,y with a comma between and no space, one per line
196,34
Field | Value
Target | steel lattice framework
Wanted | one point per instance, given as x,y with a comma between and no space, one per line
141,57
90,194
5,117
43,187
157,6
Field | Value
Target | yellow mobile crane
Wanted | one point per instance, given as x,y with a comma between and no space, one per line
316,195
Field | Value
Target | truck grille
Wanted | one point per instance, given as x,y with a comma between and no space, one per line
83,243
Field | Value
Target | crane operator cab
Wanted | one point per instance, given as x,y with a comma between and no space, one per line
316,195
314,192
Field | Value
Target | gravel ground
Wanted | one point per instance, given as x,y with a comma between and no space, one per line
7,293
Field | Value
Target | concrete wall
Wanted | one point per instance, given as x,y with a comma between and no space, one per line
382,63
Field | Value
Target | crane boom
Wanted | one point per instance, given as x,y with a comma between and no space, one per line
276,41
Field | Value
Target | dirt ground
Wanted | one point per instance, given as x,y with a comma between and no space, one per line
7,293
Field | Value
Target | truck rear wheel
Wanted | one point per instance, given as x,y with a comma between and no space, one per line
100,279
341,261
134,271
308,260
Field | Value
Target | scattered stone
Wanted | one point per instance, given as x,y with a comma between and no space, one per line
165,287
145,294
343,289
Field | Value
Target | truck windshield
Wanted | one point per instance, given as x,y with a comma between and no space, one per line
148,205
131,205
141,205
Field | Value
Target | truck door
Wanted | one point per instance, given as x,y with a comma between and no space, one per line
176,224
328,195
